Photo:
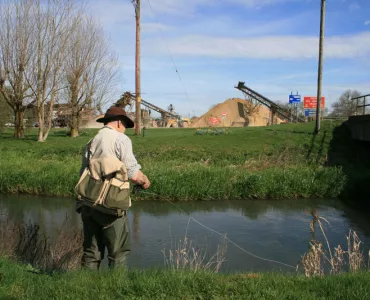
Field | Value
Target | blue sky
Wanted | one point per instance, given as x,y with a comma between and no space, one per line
272,45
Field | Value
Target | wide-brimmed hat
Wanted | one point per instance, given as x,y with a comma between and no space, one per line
115,113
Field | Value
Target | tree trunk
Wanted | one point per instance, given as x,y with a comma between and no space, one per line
18,125
49,119
40,118
74,124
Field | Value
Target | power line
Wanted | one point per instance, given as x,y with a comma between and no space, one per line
172,59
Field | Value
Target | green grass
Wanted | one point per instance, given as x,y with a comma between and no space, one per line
18,282
281,161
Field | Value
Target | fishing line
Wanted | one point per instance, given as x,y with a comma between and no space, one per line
219,233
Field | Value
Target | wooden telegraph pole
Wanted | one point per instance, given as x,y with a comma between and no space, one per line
136,4
319,78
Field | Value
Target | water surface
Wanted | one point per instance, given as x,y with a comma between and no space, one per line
276,230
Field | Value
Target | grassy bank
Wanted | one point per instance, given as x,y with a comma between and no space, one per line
19,282
281,161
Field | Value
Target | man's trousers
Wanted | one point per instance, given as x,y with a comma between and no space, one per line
102,231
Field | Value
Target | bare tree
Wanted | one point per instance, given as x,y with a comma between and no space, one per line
16,47
251,106
54,21
295,110
345,107
90,70
5,112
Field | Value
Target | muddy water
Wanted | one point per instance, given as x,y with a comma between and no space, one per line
276,230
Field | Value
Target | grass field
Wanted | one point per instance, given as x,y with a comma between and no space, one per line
20,282
276,162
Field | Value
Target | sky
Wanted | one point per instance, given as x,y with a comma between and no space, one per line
194,52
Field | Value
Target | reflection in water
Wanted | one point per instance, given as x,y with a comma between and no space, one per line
278,230
135,235
313,223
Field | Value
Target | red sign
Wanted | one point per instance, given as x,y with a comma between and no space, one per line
224,114
215,121
311,102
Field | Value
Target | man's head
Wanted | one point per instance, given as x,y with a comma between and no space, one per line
116,118
117,125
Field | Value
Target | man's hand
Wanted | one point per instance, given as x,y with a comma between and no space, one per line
146,185
141,179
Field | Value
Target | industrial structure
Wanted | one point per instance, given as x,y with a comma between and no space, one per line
275,108
169,118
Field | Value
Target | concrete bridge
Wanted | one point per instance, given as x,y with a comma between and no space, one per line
360,125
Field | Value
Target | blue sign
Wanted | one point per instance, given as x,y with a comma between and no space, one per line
310,112
294,98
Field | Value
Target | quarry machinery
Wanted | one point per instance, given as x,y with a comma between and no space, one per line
275,108
169,118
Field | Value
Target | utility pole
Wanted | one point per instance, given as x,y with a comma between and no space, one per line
136,4
321,53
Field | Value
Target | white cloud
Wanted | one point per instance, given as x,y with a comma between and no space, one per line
110,12
230,26
266,47
260,3
178,7
367,22
188,7
152,27
354,6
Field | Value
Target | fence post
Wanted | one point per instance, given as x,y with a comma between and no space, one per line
364,108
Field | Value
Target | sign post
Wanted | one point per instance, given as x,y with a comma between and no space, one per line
310,106
223,116
294,100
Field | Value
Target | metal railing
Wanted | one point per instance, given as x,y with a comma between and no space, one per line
363,106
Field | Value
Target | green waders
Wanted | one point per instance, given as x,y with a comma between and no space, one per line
104,231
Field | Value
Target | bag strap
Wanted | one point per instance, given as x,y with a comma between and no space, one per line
89,149
88,145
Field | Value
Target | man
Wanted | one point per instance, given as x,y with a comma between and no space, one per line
103,230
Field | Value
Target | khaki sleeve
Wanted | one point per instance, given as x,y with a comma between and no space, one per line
126,155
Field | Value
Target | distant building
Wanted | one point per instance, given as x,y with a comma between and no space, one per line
62,114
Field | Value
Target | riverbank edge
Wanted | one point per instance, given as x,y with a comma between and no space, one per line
22,282
329,165
202,183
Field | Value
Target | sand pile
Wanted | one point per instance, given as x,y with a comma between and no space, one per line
234,112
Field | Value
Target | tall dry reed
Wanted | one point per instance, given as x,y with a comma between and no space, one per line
313,262
185,255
